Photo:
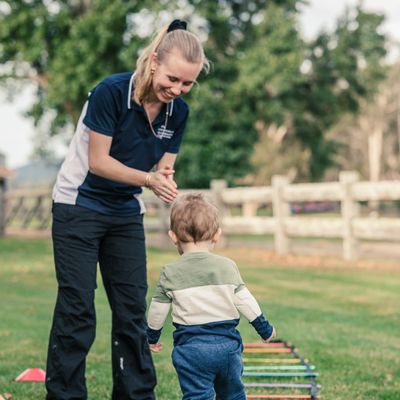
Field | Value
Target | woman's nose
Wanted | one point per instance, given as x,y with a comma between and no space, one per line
176,90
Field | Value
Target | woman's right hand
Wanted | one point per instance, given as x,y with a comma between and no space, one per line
162,185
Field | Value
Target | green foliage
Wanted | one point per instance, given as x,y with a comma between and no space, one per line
69,47
217,142
250,81
258,78
346,66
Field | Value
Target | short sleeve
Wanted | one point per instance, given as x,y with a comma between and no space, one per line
102,113
176,140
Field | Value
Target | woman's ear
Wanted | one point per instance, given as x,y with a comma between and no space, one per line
154,61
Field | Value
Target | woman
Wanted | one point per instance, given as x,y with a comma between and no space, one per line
130,123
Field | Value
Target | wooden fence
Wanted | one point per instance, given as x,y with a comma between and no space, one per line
32,209
28,209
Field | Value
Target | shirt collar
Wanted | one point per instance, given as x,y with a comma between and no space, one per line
132,104
130,90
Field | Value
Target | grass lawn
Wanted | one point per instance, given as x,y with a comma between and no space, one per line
345,320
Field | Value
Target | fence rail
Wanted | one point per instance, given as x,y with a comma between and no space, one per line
32,209
28,208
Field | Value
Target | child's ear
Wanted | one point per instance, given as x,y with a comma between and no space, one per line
217,235
173,237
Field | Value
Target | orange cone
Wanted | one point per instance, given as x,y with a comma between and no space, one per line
32,375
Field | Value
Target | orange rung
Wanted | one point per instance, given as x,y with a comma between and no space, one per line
280,396
262,344
273,350
273,360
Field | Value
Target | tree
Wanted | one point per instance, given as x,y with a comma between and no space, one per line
263,91
66,47
259,79
345,68
221,132
275,79
369,141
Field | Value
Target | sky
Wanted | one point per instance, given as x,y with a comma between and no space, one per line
17,132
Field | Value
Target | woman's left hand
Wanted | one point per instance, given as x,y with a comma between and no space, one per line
170,174
162,185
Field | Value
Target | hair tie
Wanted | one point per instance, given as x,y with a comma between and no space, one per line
177,24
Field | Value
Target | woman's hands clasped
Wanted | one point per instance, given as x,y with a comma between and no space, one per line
163,185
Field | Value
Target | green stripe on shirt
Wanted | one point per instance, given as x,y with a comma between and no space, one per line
195,270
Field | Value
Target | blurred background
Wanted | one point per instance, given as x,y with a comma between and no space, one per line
301,89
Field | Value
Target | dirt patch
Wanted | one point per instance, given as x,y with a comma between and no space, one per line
262,257
28,233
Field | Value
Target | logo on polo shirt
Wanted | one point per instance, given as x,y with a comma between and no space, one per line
163,133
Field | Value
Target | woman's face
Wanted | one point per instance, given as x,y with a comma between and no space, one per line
173,76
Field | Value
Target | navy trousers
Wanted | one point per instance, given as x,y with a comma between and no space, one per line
81,239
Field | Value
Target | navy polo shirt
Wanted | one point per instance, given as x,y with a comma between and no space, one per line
111,111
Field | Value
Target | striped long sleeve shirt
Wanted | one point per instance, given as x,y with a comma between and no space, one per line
207,295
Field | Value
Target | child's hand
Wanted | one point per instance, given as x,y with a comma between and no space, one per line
273,336
156,347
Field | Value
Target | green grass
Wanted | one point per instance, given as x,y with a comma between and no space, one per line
345,321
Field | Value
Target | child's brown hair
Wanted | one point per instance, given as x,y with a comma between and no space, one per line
194,218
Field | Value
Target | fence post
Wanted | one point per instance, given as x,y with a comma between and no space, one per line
2,195
250,209
164,211
217,187
350,209
281,210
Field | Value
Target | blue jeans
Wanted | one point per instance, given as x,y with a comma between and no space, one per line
209,365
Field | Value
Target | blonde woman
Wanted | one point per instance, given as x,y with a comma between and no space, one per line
130,123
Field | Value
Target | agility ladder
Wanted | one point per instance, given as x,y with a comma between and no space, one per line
265,363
